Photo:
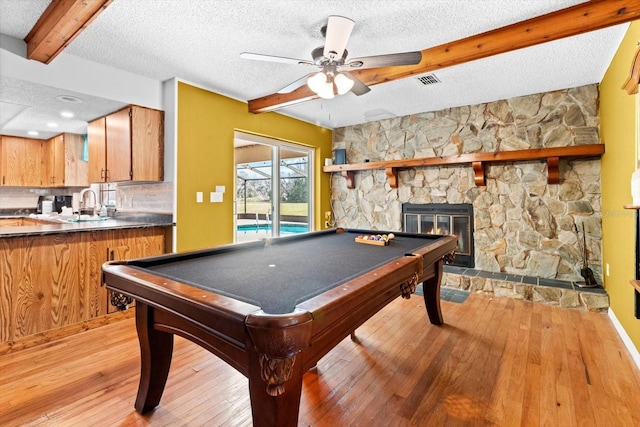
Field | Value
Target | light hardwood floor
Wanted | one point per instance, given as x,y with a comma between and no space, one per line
496,362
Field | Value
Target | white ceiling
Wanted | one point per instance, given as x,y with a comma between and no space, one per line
201,41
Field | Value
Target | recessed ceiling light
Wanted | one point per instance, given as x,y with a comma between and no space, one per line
69,98
66,114
52,125
33,133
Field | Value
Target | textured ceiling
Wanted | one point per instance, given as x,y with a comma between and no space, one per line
200,42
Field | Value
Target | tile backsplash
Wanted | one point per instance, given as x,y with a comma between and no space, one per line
156,197
147,197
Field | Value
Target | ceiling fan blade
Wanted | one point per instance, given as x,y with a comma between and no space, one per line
391,60
359,88
338,31
296,84
271,58
578,19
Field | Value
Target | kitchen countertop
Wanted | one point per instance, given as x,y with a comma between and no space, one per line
116,222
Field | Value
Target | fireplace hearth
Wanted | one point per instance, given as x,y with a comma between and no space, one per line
443,218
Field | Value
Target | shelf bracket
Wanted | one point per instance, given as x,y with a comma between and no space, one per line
553,173
349,176
392,176
478,172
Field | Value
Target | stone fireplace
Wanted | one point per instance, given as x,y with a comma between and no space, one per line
443,218
522,225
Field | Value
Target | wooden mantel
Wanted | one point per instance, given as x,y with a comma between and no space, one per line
476,160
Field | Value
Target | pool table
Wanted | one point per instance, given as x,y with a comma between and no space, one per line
271,308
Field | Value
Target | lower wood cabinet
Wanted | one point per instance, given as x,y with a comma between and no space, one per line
55,280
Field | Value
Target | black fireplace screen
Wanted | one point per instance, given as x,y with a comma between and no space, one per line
443,218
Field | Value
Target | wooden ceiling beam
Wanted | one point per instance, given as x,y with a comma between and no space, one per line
578,19
61,22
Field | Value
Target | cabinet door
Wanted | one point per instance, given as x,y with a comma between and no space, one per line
118,127
21,162
76,170
47,294
147,144
53,173
96,132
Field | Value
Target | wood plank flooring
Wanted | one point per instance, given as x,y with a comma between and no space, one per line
496,362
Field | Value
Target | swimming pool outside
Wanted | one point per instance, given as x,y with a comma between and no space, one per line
248,231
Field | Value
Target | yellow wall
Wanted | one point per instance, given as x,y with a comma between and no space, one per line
206,125
618,132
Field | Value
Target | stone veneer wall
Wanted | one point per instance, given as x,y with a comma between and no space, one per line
522,224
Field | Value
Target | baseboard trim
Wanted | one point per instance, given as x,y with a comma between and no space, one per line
633,351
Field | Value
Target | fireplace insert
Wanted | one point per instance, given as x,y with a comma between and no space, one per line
443,218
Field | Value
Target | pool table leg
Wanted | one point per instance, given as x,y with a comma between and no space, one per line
431,291
156,349
270,410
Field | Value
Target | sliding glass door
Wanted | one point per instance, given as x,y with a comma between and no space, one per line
273,187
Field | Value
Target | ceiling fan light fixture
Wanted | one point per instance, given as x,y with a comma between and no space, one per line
343,83
320,84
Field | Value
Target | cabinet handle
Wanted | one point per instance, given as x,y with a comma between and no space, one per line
106,175
102,174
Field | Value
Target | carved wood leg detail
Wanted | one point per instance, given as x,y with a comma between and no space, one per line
156,349
270,409
275,372
409,287
275,348
431,289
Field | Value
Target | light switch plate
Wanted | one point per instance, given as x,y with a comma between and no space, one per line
215,197
199,197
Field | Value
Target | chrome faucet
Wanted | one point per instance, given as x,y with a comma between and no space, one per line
95,199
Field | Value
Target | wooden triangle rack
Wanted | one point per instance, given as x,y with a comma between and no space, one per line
476,160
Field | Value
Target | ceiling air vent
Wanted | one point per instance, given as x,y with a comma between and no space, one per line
429,79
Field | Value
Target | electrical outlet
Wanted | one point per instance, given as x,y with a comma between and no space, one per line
326,224
327,215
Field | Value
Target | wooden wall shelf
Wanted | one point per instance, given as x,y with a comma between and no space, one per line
476,160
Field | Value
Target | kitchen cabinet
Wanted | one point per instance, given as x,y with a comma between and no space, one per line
54,281
127,145
62,164
20,162
97,135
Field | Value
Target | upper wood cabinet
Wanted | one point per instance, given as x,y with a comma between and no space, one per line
20,162
96,132
127,145
62,164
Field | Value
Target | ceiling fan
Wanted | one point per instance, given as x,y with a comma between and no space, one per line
334,77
